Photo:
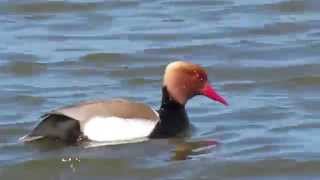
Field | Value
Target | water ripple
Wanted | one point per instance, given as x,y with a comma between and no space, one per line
262,56
63,7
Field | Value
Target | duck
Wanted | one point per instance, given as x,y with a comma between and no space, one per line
123,120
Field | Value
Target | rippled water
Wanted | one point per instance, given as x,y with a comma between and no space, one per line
263,56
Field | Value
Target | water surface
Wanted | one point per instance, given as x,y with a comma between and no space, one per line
263,56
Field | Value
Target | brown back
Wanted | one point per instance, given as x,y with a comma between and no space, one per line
107,108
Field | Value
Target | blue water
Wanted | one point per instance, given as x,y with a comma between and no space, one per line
263,56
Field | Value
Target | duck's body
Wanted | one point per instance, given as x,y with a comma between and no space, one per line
122,120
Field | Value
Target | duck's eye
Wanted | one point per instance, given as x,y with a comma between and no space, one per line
201,76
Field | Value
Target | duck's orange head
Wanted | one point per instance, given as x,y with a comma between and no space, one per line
185,80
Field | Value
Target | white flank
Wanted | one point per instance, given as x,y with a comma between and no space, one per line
112,129
93,144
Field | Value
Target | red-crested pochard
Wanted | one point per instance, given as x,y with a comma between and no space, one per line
122,120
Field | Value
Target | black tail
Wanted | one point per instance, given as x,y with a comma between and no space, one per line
55,126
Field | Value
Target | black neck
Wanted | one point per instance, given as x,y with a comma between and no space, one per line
168,102
173,117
